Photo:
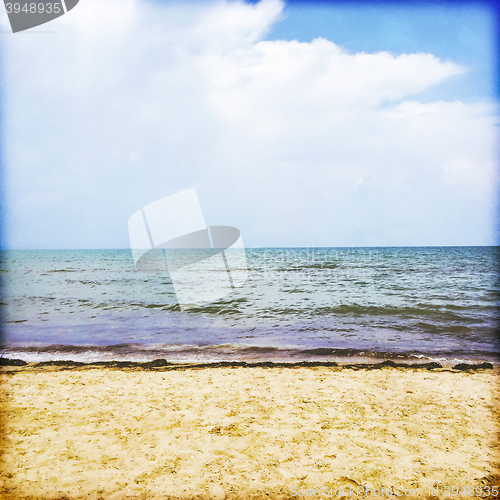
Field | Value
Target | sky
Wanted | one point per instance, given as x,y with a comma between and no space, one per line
300,124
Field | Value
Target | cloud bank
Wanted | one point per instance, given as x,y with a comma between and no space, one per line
294,143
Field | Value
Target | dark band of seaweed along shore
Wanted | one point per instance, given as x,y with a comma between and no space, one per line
162,363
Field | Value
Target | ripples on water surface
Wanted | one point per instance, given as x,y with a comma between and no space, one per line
298,304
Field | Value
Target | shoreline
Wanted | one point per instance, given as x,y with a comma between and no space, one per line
163,364
188,353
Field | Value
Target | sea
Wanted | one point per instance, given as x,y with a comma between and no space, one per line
298,304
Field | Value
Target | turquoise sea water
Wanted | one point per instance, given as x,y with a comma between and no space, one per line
298,304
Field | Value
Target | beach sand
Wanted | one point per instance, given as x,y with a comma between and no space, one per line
239,432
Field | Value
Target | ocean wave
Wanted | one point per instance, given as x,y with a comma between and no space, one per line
357,310
71,270
229,352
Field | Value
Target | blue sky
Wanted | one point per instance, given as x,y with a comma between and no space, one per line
463,32
301,124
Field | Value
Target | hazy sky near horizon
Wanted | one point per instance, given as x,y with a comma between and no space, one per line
301,124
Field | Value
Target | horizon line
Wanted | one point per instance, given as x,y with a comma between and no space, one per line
255,247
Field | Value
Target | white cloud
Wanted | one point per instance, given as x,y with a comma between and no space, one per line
281,81
294,143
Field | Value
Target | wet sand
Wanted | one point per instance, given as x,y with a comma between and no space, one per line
240,432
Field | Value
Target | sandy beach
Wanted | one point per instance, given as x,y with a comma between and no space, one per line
237,432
